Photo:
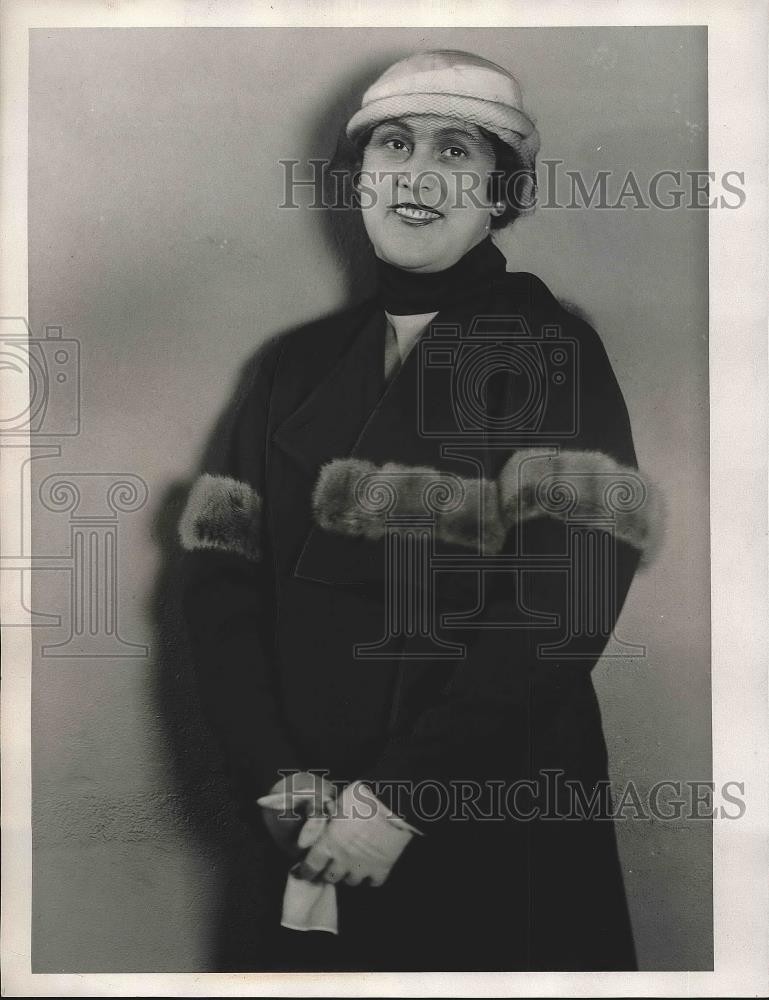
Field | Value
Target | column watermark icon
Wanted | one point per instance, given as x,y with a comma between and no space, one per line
45,375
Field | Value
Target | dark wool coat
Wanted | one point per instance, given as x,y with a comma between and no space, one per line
410,583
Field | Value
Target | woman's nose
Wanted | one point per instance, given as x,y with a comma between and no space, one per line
421,179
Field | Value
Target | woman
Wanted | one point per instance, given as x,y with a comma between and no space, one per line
403,567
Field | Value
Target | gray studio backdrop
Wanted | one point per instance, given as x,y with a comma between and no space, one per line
157,250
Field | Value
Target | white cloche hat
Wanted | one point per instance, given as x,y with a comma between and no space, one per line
454,84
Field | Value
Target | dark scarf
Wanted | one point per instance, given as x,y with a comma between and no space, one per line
403,293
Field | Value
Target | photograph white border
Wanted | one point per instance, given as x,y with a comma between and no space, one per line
738,37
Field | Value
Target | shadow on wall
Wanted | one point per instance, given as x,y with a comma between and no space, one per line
218,833
343,230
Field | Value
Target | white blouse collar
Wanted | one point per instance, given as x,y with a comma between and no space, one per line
408,329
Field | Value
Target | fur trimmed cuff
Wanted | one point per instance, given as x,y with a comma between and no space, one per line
355,497
584,486
222,513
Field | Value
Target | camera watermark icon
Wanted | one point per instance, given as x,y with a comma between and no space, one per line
504,384
50,368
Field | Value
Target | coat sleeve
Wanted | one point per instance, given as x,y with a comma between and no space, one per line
227,595
554,500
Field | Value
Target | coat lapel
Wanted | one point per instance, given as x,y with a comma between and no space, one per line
353,413
327,422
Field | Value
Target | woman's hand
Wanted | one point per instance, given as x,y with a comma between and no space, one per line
362,840
297,801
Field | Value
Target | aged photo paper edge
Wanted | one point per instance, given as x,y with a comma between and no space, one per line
737,44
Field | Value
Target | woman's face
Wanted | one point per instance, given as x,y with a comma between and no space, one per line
440,167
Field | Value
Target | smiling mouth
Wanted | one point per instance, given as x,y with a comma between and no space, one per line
416,214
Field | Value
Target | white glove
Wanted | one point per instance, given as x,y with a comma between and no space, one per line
361,840
297,801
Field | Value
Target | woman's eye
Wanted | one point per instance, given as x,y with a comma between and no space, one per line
452,150
397,144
